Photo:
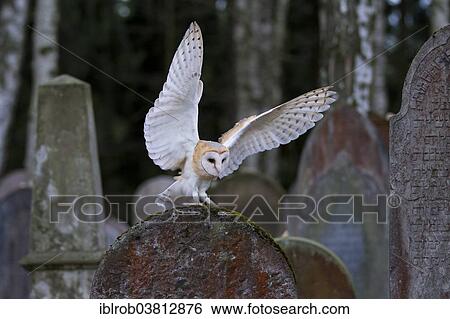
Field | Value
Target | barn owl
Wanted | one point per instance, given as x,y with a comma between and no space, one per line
171,134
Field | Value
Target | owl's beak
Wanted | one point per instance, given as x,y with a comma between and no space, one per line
218,167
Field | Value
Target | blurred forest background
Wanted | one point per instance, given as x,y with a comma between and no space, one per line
257,54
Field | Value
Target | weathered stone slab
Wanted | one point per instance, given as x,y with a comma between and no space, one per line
152,186
344,155
343,130
14,181
66,163
318,271
190,253
15,207
113,229
257,198
382,126
419,176
15,213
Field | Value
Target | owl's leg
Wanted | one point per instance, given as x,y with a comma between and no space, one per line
195,196
206,200
195,199
204,197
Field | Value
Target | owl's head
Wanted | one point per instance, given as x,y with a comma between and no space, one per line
210,158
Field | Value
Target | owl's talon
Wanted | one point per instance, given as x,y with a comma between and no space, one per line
204,198
209,203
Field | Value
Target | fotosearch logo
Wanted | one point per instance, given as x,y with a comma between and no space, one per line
333,209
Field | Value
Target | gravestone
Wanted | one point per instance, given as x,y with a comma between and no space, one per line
65,244
15,206
382,126
344,155
15,212
257,198
14,181
319,273
152,186
192,252
113,229
419,176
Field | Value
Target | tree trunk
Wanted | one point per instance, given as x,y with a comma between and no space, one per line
349,39
45,61
379,98
440,14
13,16
258,36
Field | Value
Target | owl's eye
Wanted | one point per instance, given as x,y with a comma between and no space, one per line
223,160
211,160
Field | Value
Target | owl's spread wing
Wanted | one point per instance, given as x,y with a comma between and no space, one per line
170,127
279,125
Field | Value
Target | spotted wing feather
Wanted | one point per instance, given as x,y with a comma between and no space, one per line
170,127
279,125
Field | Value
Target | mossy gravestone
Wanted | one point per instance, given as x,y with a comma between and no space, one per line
344,155
419,176
257,198
194,253
319,272
65,244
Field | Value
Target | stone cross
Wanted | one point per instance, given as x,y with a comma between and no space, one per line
66,242
419,177
192,252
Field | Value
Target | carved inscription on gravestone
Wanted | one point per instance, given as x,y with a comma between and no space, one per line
419,176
